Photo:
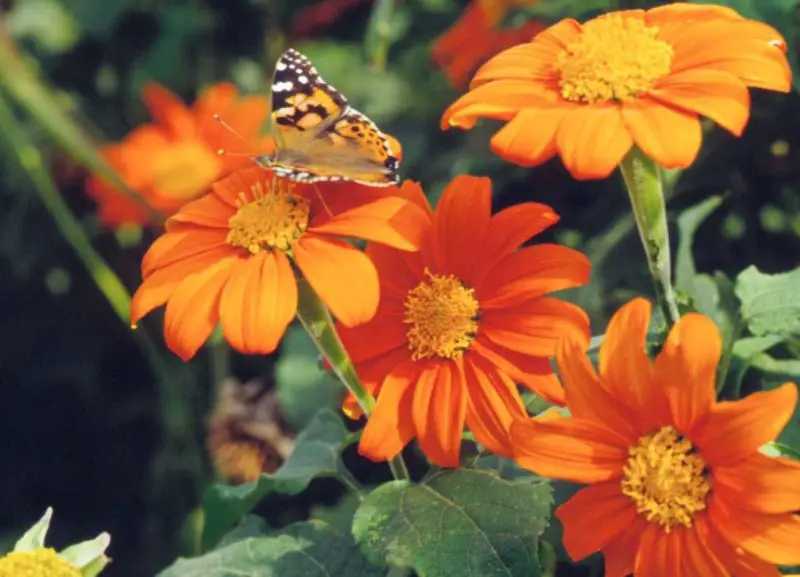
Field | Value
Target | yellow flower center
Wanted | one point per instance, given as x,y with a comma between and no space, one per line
36,563
666,479
614,58
443,315
185,171
270,219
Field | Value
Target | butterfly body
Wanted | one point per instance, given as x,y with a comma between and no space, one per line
319,136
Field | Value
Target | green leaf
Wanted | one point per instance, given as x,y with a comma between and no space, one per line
302,550
769,302
34,537
303,387
464,523
742,356
688,223
250,526
316,454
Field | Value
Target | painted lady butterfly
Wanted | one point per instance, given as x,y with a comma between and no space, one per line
319,136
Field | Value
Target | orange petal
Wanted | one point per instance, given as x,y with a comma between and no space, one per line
586,397
258,303
714,94
594,517
191,242
736,429
534,327
384,333
192,310
659,552
625,368
592,140
460,223
493,404
567,448
533,61
668,135
216,99
531,272
735,560
500,100
507,230
373,370
207,211
390,426
158,287
697,557
686,369
168,111
240,183
684,12
343,277
772,538
519,144
399,271
620,553
439,411
759,483
392,221
534,373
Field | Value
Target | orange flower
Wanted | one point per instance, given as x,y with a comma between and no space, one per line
317,17
475,37
590,92
678,485
460,322
175,159
229,257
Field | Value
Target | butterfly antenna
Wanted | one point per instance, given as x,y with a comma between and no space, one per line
322,200
230,129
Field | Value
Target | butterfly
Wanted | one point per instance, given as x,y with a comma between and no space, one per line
319,137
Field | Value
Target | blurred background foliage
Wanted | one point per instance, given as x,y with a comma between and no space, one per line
91,429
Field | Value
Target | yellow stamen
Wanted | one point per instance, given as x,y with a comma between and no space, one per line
443,315
37,563
269,219
666,479
614,58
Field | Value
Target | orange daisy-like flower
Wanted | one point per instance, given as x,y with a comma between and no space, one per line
228,257
475,37
460,323
175,158
678,485
589,92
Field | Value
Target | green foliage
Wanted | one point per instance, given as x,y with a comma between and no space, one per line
463,523
302,550
769,302
316,454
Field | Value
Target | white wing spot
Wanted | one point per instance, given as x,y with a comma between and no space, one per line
302,79
282,86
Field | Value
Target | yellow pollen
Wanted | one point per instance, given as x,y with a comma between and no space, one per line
443,315
666,479
37,563
614,58
270,219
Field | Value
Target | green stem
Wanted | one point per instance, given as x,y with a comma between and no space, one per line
379,33
37,101
317,321
220,358
643,180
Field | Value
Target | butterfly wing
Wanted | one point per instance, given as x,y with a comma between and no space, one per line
319,136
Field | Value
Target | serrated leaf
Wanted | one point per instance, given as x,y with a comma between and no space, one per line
459,523
769,302
316,454
302,550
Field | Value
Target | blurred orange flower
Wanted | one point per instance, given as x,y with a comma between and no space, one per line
678,485
175,158
590,92
475,37
460,323
228,257
312,20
